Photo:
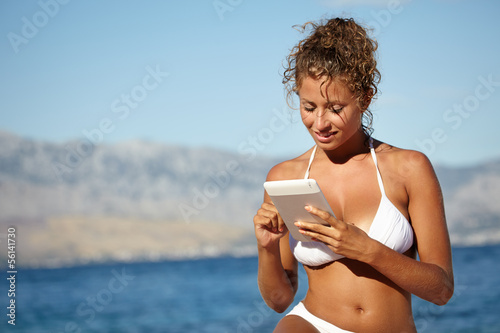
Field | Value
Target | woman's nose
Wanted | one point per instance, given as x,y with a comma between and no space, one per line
321,120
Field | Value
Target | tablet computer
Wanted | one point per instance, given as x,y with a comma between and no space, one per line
291,196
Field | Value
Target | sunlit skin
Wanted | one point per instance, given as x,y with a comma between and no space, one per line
368,290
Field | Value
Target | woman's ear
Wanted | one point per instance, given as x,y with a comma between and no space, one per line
367,99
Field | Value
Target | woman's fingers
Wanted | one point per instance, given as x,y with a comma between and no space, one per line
341,237
268,216
325,216
316,230
266,219
327,232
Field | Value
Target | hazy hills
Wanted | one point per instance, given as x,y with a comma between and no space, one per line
77,202
131,179
137,200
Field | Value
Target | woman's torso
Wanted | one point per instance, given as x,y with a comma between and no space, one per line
345,292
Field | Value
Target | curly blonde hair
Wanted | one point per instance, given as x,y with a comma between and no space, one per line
338,49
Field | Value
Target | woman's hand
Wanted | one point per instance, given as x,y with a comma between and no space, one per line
342,238
269,227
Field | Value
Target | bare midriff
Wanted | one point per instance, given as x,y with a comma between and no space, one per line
355,297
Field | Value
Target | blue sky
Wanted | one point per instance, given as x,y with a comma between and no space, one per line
208,73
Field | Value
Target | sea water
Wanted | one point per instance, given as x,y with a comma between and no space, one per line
214,295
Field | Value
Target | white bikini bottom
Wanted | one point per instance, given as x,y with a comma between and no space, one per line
320,324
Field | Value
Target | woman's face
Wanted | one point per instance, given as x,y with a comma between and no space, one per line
329,112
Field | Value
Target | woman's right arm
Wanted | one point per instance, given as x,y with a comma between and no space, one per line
277,275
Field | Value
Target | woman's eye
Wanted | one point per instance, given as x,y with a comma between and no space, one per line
337,109
309,109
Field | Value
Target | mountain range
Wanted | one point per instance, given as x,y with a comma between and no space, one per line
80,201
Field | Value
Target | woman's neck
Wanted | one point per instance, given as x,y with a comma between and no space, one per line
354,146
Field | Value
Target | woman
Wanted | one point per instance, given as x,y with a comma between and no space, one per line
362,267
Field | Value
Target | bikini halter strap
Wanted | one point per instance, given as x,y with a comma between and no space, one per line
310,162
379,176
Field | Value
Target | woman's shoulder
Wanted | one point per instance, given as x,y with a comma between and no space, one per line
290,169
405,162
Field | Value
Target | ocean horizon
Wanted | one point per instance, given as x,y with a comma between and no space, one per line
213,295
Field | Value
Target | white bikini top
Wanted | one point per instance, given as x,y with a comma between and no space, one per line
389,227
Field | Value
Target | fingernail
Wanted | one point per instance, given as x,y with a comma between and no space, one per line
308,208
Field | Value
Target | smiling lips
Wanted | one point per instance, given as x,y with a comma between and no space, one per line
324,136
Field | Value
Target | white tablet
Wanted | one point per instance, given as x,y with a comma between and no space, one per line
291,196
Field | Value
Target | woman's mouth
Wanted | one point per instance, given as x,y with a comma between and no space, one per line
324,136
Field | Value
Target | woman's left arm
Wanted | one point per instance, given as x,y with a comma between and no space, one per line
431,278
